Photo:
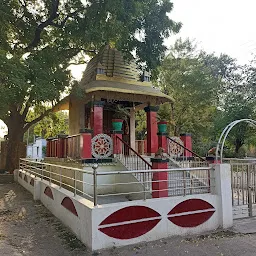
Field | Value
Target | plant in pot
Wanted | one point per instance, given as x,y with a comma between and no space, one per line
121,114
162,125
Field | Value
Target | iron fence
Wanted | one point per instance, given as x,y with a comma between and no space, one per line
95,186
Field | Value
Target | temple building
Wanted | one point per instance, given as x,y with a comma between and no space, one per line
111,90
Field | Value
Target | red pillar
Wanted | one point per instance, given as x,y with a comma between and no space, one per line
86,143
187,140
61,145
162,140
97,117
160,179
48,147
117,147
152,140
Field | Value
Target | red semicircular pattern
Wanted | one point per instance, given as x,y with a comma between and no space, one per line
130,222
48,192
191,213
69,205
32,182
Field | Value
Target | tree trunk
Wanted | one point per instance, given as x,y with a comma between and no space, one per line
15,149
238,145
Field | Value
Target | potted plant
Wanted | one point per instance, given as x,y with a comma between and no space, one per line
121,114
162,126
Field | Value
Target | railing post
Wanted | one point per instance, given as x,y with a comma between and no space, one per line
95,192
144,186
50,176
60,177
222,177
249,188
74,182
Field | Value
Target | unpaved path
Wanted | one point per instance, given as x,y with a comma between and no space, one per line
28,228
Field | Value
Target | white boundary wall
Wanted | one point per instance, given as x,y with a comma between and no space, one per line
132,223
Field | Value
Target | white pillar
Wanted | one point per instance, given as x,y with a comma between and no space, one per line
222,188
16,174
37,189
132,128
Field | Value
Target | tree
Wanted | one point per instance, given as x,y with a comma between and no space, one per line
237,102
50,126
41,38
185,76
194,79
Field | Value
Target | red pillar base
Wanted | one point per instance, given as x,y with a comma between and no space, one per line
160,179
162,140
117,147
85,143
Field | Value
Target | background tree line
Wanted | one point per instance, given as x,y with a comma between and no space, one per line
210,92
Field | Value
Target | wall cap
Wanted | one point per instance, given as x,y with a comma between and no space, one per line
159,160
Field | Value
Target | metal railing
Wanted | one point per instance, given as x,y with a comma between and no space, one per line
130,158
116,186
192,161
243,184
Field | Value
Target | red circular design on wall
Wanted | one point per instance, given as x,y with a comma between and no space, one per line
130,222
191,213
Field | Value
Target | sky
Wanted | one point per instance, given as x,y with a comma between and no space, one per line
220,26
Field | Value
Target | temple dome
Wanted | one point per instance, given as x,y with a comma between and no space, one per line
108,75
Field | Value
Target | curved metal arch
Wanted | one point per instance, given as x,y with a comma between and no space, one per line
225,133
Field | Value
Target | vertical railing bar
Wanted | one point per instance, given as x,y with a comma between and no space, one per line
60,177
243,186
74,183
95,196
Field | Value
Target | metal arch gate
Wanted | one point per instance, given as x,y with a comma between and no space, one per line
243,184
243,177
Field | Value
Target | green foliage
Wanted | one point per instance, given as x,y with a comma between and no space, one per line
41,38
185,76
141,125
210,92
50,126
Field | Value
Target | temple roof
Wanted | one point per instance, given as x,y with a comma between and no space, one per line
109,75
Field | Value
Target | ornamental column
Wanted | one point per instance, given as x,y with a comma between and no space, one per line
152,138
97,117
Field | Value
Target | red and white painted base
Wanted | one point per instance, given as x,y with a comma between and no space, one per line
125,223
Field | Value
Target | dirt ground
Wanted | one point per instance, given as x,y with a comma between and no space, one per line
28,228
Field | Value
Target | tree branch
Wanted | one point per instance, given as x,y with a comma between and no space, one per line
54,14
25,111
29,124
62,24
